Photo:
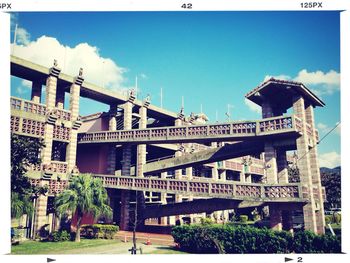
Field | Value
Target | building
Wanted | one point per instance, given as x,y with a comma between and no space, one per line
182,167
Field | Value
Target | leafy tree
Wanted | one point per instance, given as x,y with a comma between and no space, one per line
84,194
331,180
25,151
293,174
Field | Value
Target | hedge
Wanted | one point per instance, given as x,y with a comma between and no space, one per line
57,236
238,239
99,231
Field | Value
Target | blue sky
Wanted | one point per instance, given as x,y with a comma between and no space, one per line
211,58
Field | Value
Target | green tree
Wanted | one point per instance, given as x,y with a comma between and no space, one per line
331,180
84,194
25,151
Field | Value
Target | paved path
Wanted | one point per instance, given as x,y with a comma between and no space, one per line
160,239
117,248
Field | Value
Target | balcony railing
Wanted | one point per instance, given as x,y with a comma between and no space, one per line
235,190
38,108
224,130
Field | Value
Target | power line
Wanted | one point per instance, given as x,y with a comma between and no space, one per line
329,132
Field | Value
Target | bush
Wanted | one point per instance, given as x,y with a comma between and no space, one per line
99,231
58,236
245,239
206,221
337,218
329,219
243,218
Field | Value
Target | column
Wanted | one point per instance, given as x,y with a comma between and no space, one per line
74,110
248,178
287,221
141,148
266,108
40,211
304,167
275,217
270,161
111,161
126,164
214,170
60,98
51,86
163,220
36,91
315,172
282,167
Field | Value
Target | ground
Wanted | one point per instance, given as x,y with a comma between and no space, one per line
160,244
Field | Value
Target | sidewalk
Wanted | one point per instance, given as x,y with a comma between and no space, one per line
160,239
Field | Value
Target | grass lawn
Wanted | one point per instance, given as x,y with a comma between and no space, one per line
35,247
87,246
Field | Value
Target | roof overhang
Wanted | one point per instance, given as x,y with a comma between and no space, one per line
281,93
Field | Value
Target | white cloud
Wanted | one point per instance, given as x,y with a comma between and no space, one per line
252,106
97,69
319,82
283,77
330,159
324,128
22,36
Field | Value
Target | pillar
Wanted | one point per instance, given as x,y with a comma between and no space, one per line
141,148
60,98
248,178
266,108
242,177
275,217
270,161
304,166
287,221
223,175
179,122
40,211
74,110
126,165
214,170
36,91
51,86
315,173
112,126
282,167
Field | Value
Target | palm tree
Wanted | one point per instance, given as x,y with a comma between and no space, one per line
20,205
84,194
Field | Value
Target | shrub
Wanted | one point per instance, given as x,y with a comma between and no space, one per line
328,219
206,221
246,239
243,218
99,231
57,236
337,218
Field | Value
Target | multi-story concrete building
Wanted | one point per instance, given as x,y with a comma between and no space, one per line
185,167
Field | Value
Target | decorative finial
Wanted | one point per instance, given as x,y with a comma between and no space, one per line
55,64
80,72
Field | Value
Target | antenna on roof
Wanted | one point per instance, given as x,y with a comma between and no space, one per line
182,102
228,113
161,97
14,39
136,88
201,108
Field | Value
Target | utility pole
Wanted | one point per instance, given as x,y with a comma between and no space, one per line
14,40
161,97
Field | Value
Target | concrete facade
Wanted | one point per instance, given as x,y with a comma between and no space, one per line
194,178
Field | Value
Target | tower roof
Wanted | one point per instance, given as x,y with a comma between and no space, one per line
281,92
